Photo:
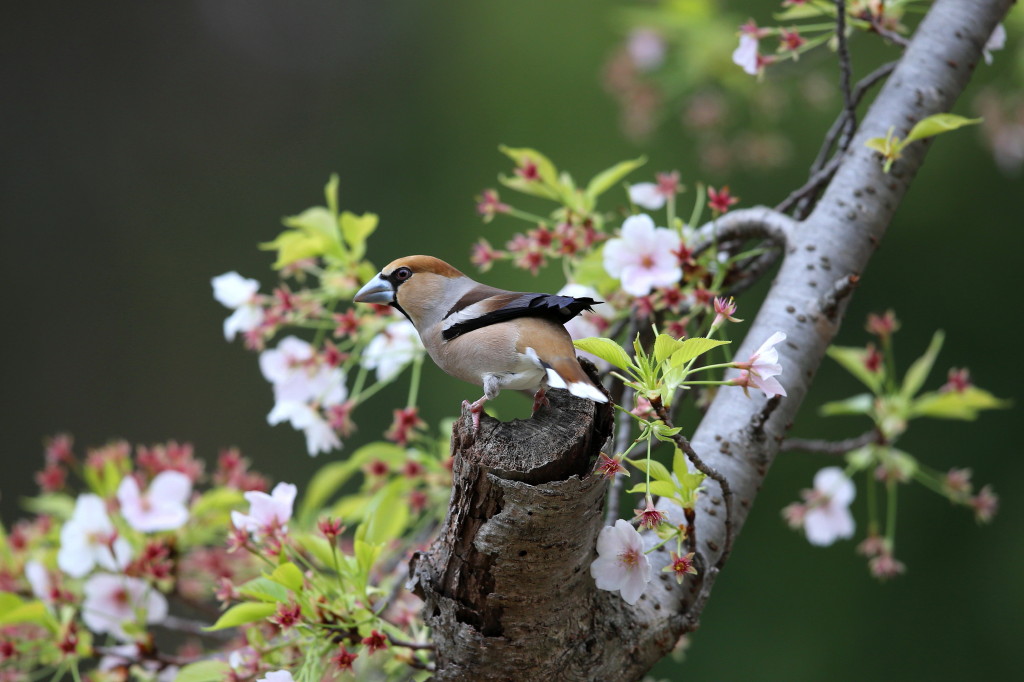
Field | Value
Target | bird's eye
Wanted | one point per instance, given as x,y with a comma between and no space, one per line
402,274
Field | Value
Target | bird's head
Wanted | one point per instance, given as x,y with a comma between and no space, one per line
417,286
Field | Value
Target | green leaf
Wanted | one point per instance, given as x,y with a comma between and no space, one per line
356,229
692,348
57,505
289,575
387,514
863,403
317,545
217,501
861,458
332,476
204,671
803,11
658,488
25,612
606,349
366,554
240,614
658,470
610,177
314,233
331,194
523,155
664,346
957,404
918,372
853,360
265,590
937,124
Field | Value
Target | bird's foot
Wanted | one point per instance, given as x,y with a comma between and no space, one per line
540,399
475,408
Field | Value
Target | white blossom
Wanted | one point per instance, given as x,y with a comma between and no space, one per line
646,48
277,676
238,293
392,349
828,516
762,367
39,580
621,563
745,55
162,507
89,538
112,601
644,256
320,437
298,376
996,41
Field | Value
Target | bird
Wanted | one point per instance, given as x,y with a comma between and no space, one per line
487,336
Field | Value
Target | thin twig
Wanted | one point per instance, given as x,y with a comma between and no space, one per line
707,470
803,194
845,72
831,447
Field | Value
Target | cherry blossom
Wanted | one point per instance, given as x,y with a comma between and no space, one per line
653,195
828,516
238,293
111,601
392,349
642,258
277,676
89,538
745,56
299,376
762,368
267,513
39,580
996,41
646,48
320,436
621,563
162,507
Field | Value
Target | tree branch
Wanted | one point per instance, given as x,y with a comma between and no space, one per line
831,447
507,585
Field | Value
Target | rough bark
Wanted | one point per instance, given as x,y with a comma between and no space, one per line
507,585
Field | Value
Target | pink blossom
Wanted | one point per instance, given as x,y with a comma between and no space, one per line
89,538
161,507
267,513
39,580
761,369
828,516
621,563
642,258
646,48
112,601
651,195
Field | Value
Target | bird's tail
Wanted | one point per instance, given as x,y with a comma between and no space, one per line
566,372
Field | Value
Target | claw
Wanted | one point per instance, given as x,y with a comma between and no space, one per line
540,399
475,408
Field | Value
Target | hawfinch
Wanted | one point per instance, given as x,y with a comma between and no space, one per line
487,336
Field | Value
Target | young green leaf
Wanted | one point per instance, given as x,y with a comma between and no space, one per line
204,671
289,575
658,470
937,124
918,372
264,590
863,403
240,614
664,346
610,177
854,361
356,229
658,488
606,349
692,348
957,404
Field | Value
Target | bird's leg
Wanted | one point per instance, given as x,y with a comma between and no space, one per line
540,399
475,408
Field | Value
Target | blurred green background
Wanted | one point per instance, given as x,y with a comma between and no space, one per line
149,146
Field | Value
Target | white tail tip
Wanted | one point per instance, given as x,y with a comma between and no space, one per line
555,379
583,390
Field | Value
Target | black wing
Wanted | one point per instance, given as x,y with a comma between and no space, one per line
558,309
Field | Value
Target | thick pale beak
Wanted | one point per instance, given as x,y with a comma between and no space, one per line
377,290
